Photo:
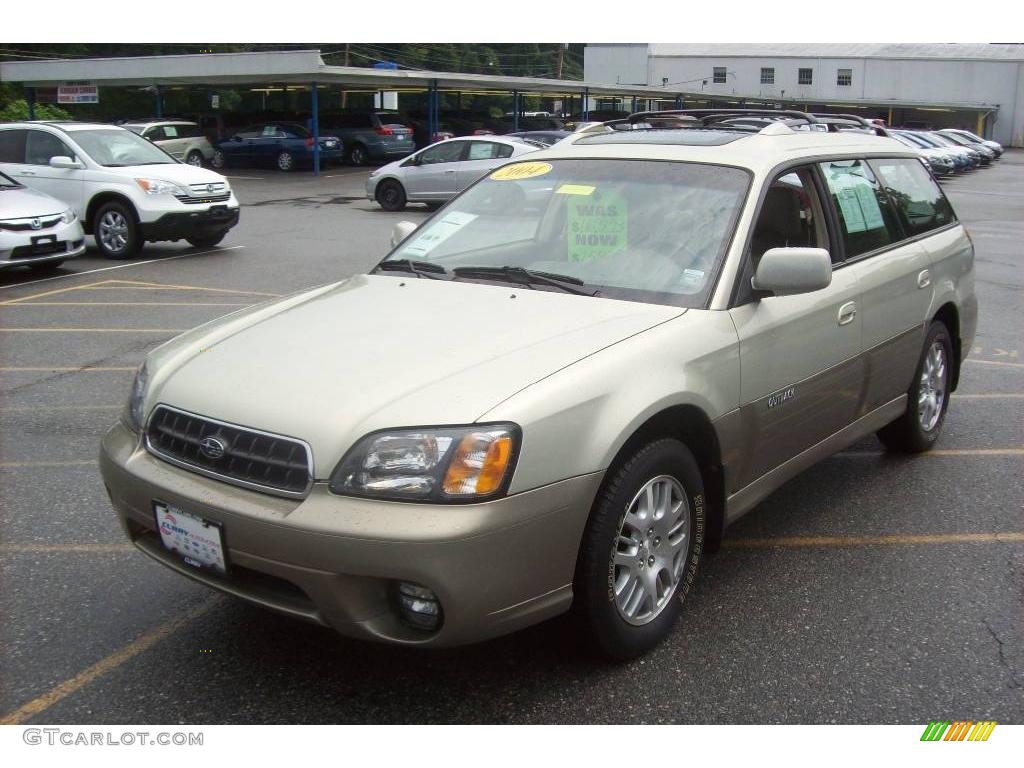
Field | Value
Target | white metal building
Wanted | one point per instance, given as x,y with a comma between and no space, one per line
975,86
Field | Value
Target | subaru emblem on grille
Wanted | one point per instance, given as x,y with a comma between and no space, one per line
37,224
211,447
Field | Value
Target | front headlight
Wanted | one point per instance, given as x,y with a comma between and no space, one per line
160,187
68,216
134,415
436,464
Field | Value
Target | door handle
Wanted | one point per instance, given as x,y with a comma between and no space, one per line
451,171
924,279
847,312
26,173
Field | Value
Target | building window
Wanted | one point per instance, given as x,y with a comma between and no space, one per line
719,75
804,76
844,77
767,75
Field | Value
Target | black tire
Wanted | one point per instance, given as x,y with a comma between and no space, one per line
219,160
599,618
433,206
116,231
195,157
391,195
48,266
357,155
285,161
208,241
908,434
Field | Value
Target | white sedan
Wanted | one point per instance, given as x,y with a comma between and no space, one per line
36,230
439,172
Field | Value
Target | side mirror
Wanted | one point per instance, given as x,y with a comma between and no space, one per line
60,161
789,271
401,231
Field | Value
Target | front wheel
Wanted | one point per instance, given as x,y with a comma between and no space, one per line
357,154
116,232
285,161
218,160
928,398
640,550
195,157
391,195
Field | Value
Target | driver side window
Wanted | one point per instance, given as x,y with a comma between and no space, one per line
790,217
41,146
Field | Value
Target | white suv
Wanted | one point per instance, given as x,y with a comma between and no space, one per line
181,139
125,190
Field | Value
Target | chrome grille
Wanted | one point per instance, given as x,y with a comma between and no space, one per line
25,225
218,198
250,458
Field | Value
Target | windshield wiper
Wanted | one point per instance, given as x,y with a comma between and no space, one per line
525,276
418,268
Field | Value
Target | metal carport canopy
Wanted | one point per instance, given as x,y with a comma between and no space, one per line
288,67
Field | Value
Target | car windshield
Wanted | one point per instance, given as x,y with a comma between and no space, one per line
115,147
637,230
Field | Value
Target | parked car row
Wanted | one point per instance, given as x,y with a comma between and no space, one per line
62,180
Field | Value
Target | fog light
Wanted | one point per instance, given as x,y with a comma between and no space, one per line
418,606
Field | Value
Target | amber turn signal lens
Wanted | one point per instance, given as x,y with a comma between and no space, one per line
479,465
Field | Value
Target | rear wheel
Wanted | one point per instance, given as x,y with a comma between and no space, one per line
206,242
391,195
928,398
640,551
195,157
357,154
116,232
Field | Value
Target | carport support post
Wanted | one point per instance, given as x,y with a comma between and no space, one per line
586,104
433,108
314,99
159,101
515,110
30,93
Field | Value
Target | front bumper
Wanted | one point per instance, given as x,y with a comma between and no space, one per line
185,224
17,248
495,567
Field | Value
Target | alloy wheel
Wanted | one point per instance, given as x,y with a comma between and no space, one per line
650,550
113,231
931,392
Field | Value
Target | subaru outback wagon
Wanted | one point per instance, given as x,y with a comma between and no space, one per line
555,393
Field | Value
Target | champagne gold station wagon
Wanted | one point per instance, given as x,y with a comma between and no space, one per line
557,391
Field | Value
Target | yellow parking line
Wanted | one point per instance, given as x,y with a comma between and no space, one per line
995,362
54,292
128,304
104,666
139,285
76,369
33,549
909,539
26,408
942,452
93,330
23,464
1013,396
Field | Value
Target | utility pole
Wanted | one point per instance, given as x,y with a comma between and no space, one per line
344,94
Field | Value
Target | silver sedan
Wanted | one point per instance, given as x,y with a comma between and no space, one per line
36,230
439,172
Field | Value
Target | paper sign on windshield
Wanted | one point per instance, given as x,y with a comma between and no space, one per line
598,226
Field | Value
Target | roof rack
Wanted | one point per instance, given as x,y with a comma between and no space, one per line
708,116
862,121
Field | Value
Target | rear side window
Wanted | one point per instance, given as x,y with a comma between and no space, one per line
12,146
484,150
919,202
186,131
866,218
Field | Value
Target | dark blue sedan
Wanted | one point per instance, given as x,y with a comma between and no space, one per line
284,145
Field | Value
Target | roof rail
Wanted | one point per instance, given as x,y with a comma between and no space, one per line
863,121
706,116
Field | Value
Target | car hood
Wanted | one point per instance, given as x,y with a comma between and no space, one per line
178,173
25,203
374,352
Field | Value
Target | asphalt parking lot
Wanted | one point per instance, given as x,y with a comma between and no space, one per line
870,589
